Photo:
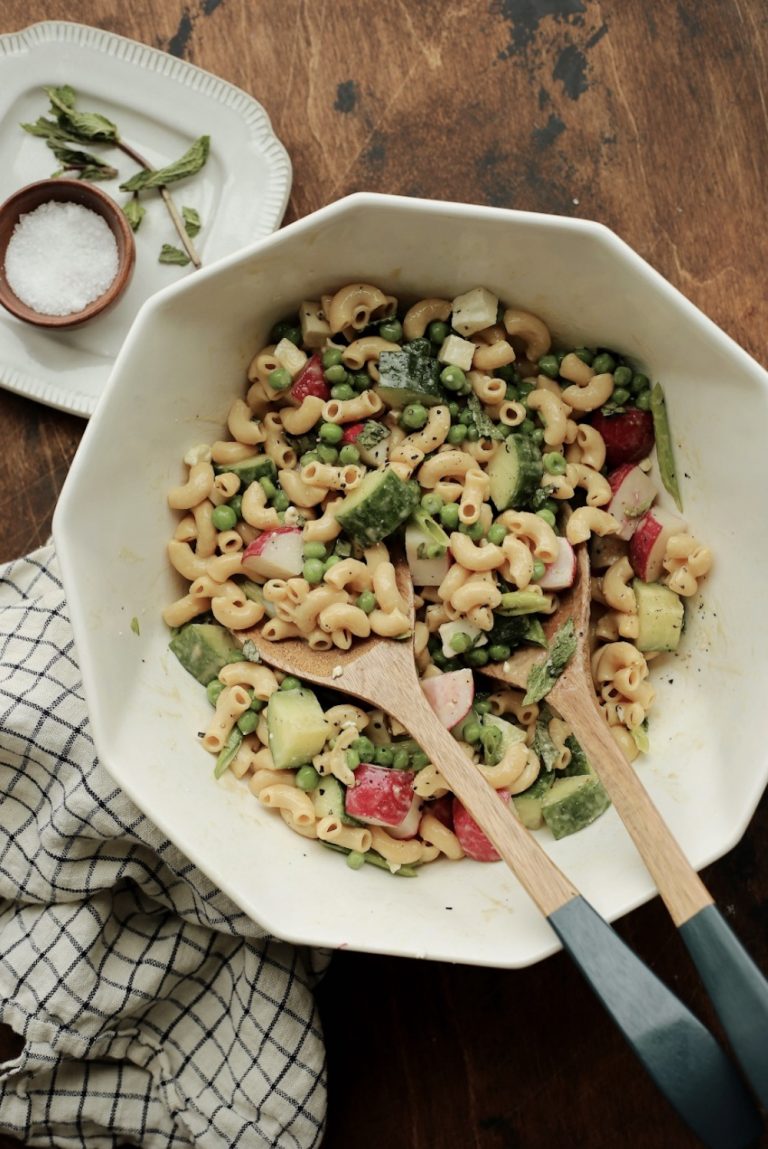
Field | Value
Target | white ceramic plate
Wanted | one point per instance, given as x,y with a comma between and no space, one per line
160,104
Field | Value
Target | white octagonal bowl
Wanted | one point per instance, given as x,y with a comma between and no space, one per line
181,365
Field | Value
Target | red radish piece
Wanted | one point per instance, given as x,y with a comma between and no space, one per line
310,381
351,431
442,809
424,571
409,827
628,437
561,573
450,695
380,795
649,542
633,493
276,553
473,841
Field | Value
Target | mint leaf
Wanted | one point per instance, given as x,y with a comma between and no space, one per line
486,428
544,675
134,212
187,165
192,222
171,254
81,125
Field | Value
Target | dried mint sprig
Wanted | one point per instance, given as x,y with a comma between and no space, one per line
69,125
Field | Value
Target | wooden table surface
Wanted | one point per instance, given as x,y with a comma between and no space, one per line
649,117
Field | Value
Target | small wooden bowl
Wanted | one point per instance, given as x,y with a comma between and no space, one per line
28,198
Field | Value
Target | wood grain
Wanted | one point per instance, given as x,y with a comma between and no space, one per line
650,118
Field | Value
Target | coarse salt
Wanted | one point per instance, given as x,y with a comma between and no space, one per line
60,257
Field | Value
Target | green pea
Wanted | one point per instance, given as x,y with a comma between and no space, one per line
550,505
223,518
457,433
331,357
349,455
473,530
440,660
307,778
622,376
620,396
331,561
643,401
538,569
482,706
355,859
269,488
454,410
554,463
293,332
366,600
280,330
383,756
315,550
313,571
330,433
496,534
525,387
449,516
547,515
476,657
453,378
257,704
279,379
432,503
511,393
471,731
640,382
342,392
364,748
236,503
438,332
337,373
499,652
290,682
604,363
504,430
309,457
280,501
247,722
527,427
507,373
419,760
401,760
584,354
213,690
391,330
537,435
361,381
435,551
473,434
414,416
352,758
460,642
327,454
549,366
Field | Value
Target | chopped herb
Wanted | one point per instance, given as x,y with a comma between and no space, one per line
485,426
543,676
135,625
371,434
171,254
251,651
134,212
664,451
191,219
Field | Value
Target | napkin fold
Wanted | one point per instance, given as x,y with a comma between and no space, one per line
153,1011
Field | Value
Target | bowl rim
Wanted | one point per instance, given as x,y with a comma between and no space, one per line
64,190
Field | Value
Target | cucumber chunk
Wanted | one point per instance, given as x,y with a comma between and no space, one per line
410,375
573,803
528,804
515,472
660,616
378,506
203,648
248,470
296,727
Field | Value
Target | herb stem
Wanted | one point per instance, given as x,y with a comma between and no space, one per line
173,211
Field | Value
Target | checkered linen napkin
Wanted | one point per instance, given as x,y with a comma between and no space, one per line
154,1013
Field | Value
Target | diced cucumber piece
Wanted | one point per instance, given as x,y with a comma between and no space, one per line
296,726
510,734
410,375
573,803
579,763
250,469
515,472
660,615
203,648
329,798
378,506
528,804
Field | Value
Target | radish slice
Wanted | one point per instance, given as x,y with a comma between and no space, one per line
276,553
649,542
380,795
409,827
474,842
633,493
561,573
450,695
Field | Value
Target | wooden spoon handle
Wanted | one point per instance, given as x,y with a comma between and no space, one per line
676,880
540,877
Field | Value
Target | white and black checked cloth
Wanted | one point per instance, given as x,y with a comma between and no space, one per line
153,1012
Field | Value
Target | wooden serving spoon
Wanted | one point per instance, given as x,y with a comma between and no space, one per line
738,989
680,1054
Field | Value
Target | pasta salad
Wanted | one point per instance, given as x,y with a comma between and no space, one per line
456,429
